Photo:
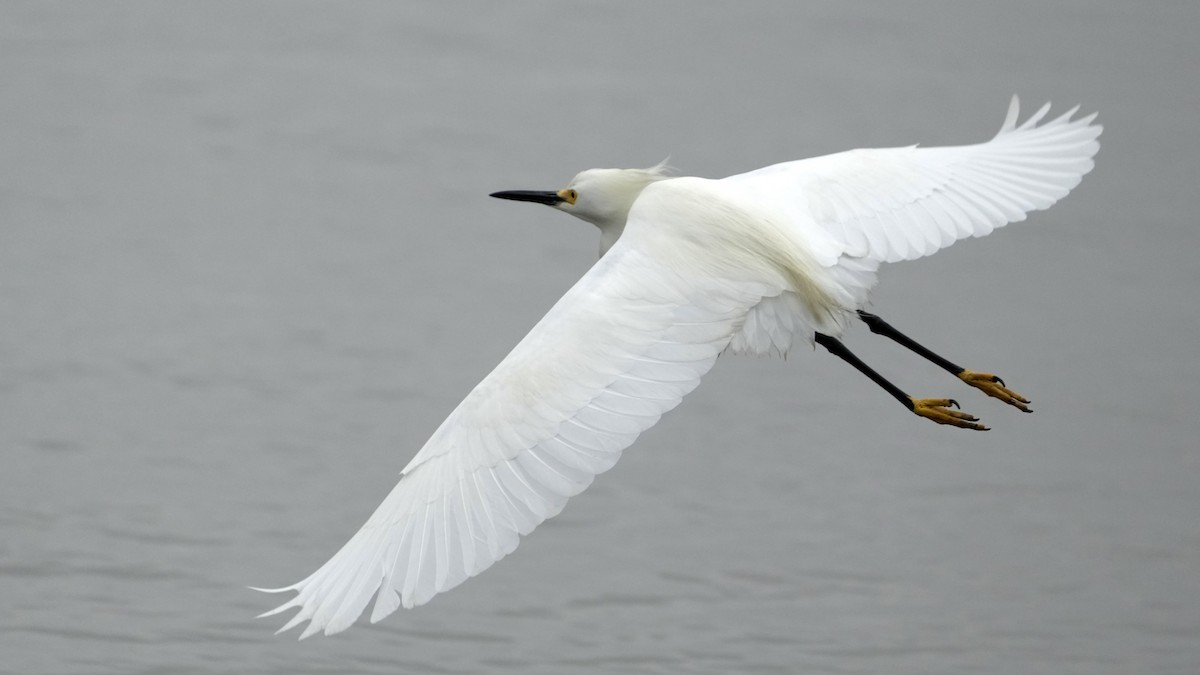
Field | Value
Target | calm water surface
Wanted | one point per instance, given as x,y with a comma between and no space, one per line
247,264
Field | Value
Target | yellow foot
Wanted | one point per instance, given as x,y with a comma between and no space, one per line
941,410
994,386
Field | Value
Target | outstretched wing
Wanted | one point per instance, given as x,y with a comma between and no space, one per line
621,348
895,204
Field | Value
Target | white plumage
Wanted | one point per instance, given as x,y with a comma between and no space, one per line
749,263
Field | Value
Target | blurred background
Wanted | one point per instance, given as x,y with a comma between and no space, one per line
248,264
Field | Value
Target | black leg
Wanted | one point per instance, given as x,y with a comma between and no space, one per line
839,350
936,409
881,327
988,383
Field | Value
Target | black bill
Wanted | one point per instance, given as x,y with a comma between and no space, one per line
540,197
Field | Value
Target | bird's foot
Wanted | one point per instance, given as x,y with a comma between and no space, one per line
942,411
993,386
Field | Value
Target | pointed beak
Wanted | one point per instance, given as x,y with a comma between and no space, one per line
548,198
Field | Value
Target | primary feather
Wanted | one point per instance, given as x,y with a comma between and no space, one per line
748,263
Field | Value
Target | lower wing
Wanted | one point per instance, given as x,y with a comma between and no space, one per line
621,348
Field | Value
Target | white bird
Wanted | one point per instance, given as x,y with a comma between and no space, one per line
690,267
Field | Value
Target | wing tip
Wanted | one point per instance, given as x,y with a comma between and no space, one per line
1010,118
281,589
1014,112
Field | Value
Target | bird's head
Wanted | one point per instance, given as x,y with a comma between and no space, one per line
602,197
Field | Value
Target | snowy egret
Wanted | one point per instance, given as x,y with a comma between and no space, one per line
754,263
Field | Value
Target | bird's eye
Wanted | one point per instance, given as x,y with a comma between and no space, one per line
568,195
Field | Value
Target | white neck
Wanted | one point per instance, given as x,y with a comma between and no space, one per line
609,234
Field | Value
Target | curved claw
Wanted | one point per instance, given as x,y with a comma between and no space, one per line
941,410
993,386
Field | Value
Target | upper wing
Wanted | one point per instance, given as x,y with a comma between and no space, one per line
621,348
904,203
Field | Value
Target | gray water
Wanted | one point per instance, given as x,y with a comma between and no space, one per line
248,263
